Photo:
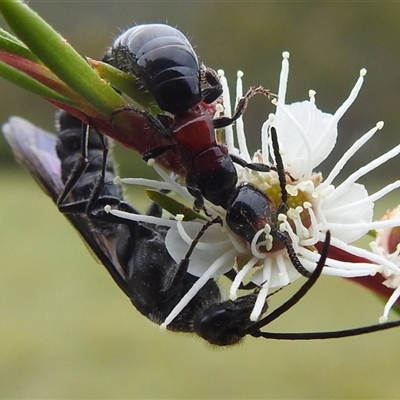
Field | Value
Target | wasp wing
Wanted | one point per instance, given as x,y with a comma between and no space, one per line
34,149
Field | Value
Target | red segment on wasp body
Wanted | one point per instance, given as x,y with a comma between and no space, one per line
210,170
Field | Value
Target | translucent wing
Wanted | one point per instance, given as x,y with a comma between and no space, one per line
34,149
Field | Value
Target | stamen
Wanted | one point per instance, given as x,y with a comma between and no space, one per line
368,226
151,161
239,278
311,110
345,186
376,249
253,245
219,108
301,231
209,274
283,78
306,186
376,259
262,296
176,187
293,237
241,137
140,217
337,267
350,153
199,245
323,224
264,141
259,245
343,108
181,230
368,200
283,274
226,98
269,239
144,182
389,304
332,268
314,227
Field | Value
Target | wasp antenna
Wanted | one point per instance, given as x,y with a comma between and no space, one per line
328,335
279,168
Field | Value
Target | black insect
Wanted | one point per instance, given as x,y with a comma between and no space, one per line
135,254
167,66
211,173
164,61
249,210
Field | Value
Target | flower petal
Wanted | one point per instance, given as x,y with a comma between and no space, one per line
207,250
340,223
300,126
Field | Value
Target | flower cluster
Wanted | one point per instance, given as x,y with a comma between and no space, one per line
306,137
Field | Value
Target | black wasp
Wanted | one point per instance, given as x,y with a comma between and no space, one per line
134,253
164,61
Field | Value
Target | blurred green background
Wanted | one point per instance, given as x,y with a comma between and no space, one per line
66,331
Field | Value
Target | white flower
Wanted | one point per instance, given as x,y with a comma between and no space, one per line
306,138
387,244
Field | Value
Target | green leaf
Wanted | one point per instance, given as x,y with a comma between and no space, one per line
12,45
127,84
7,35
173,206
59,56
32,85
22,69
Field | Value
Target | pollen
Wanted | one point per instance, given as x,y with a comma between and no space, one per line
275,194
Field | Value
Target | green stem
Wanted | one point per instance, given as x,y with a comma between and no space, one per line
59,56
32,85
